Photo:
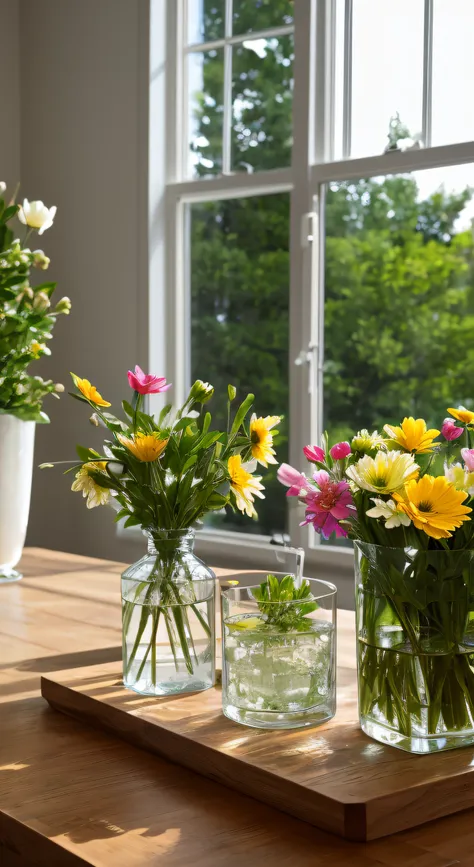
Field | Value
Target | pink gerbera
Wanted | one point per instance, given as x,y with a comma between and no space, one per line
328,505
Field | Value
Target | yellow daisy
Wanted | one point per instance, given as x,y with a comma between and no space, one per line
244,485
462,414
89,391
385,473
412,436
262,440
434,505
145,447
95,494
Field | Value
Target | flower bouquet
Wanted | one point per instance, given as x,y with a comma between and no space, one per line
404,497
165,474
27,318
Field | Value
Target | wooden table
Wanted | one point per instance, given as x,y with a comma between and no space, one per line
73,796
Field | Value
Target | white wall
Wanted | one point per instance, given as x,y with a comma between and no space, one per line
10,99
84,85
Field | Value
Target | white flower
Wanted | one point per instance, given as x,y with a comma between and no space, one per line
388,510
3,187
36,215
460,477
96,495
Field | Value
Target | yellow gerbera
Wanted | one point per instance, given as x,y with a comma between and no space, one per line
462,414
89,391
244,485
412,436
262,440
95,493
145,447
385,473
434,505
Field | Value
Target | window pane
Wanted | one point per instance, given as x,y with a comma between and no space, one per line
239,267
453,71
252,15
262,96
206,20
387,71
206,112
399,300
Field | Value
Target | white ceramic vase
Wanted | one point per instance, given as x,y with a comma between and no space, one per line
17,439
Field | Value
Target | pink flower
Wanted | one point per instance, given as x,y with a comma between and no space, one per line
468,458
314,453
290,477
329,505
340,451
450,431
147,383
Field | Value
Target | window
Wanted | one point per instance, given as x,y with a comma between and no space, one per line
319,215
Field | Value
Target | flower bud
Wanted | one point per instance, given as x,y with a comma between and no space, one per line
231,391
41,302
3,187
20,389
40,260
59,387
201,392
94,419
63,306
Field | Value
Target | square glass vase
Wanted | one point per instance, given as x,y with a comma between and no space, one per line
415,646
278,667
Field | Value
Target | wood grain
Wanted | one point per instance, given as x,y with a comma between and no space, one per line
332,776
71,795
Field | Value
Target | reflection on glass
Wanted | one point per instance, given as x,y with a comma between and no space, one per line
205,19
239,268
253,15
453,71
262,96
206,112
399,299
387,71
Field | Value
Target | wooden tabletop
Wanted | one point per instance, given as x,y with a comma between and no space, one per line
70,795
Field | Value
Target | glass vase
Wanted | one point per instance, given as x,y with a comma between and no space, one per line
278,673
168,618
415,638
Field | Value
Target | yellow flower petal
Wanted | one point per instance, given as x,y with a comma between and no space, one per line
244,486
434,505
464,415
89,391
412,436
262,440
145,447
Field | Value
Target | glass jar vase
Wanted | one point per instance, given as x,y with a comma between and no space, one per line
415,637
279,658
168,618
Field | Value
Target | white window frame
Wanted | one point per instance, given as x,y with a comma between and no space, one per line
312,168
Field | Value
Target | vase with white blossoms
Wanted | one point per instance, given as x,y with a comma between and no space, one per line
406,498
27,318
164,474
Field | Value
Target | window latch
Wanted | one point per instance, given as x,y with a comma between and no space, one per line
306,355
309,225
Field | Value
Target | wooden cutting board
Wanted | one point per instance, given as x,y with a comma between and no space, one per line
332,776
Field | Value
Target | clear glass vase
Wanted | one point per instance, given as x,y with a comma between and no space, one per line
415,637
278,673
168,618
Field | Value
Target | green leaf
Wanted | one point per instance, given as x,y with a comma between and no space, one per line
241,413
9,213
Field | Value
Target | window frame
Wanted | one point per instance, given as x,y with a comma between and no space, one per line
311,169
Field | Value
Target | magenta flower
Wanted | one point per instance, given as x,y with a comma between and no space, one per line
340,451
450,431
147,383
329,505
295,481
314,453
468,458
